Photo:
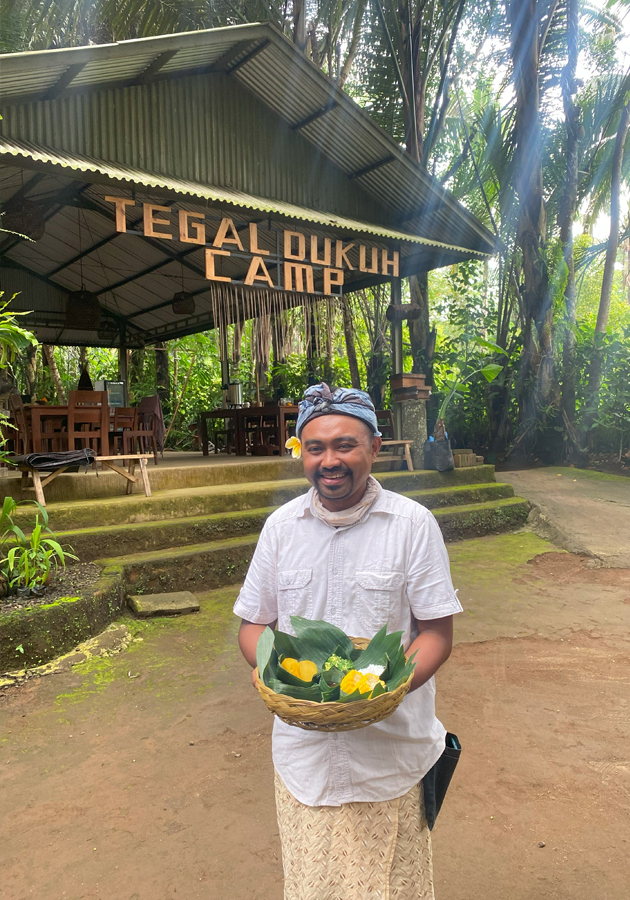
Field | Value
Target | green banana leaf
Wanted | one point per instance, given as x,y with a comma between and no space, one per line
264,650
332,676
312,692
378,690
355,695
381,645
330,694
318,640
287,645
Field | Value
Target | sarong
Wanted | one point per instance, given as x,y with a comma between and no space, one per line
356,851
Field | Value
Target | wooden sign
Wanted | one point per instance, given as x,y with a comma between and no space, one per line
293,264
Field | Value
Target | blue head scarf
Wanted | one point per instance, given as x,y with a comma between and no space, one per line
319,400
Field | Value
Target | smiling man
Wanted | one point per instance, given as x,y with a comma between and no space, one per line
350,805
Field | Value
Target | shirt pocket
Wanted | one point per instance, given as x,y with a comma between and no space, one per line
295,596
378,594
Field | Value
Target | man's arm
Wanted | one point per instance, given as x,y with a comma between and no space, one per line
248,635
433,645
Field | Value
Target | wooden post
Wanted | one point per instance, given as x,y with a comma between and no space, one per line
123,368
397,351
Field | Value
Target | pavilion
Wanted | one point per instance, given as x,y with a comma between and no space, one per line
174,184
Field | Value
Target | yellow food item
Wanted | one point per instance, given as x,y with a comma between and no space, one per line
368,682
350,681
308,670
292,666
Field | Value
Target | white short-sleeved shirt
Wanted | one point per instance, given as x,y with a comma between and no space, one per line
390,568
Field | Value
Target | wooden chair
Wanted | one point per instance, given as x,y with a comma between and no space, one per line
385,421
125,419
142,435
224,429
88,421
262,435
20,435
54,436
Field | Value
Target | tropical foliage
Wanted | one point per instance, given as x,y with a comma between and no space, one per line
522,109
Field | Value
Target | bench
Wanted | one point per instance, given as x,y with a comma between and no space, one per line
396,446
40,480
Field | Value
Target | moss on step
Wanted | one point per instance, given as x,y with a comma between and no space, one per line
461,494
206,500
95,543
138,537
194,568
46,631
168,658
459,522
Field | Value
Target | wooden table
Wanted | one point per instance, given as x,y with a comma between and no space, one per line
37,412
239,414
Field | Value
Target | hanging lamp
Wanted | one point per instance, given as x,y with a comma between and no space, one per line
183,302
83,310
24,217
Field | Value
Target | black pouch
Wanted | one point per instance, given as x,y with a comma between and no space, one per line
435,783
438,455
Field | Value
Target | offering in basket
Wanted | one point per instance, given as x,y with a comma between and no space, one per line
323,680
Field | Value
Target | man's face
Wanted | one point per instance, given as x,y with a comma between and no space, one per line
338,452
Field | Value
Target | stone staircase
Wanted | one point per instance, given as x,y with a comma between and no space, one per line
202,535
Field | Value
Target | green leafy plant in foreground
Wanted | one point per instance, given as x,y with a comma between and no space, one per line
318,641
29,560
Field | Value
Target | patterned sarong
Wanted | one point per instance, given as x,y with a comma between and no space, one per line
356,851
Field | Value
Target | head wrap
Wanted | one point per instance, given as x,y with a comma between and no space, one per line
319,400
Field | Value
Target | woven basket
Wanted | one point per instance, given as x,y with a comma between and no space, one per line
335,716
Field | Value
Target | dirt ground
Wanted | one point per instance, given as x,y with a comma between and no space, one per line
584,511
147,775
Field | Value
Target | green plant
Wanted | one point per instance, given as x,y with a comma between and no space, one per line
458,380
29,560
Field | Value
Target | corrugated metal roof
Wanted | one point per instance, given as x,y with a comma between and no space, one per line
285,81
118,173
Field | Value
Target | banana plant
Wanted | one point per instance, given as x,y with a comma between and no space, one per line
458,384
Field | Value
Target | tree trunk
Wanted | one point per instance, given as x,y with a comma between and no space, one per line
299,23
597,360
162,374
351,350
84,365
30,369
49,354
568,209
421,335
537,375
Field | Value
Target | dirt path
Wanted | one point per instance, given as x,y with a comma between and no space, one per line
147,775
590,510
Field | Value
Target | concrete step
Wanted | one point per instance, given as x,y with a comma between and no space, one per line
214,564
96,542
216,498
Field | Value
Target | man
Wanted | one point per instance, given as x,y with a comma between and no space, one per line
350,807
